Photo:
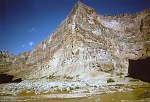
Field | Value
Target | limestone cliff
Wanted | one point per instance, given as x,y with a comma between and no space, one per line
87,44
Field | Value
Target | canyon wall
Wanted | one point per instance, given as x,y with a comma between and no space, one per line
87,44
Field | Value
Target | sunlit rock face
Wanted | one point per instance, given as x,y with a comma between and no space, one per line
87,44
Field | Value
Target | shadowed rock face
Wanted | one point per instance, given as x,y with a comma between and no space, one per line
4,78
87,44
140,69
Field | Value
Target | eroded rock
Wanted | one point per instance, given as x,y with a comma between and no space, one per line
87,44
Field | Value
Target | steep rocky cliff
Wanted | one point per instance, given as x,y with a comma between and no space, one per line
87,44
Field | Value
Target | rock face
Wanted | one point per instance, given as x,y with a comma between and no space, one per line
6,59
139,69
87,44
5,55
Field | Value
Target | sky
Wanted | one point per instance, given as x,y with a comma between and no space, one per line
25,23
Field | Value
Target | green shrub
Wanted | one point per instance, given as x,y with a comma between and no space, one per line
119,85
77,87
134,80
71,88
67,77
51,77
110,80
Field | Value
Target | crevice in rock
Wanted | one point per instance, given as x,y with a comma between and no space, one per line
4,78
140,69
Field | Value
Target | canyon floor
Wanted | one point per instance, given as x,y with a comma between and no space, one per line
122,90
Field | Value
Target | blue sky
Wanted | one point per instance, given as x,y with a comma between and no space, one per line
24,23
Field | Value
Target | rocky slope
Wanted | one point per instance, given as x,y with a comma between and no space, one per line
87,45
5,54
6,59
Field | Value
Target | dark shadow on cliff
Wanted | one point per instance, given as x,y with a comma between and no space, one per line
140,69
4,78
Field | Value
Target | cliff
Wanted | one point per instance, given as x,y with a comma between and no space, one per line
87,44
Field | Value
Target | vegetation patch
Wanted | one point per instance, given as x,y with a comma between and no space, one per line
51,77
26,93
77,87
134,80
67,77
110,80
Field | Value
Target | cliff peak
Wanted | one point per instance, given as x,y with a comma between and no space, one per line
81,7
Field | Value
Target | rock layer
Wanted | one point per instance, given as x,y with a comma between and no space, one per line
87,45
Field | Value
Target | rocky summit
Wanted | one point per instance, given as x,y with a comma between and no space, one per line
86,45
